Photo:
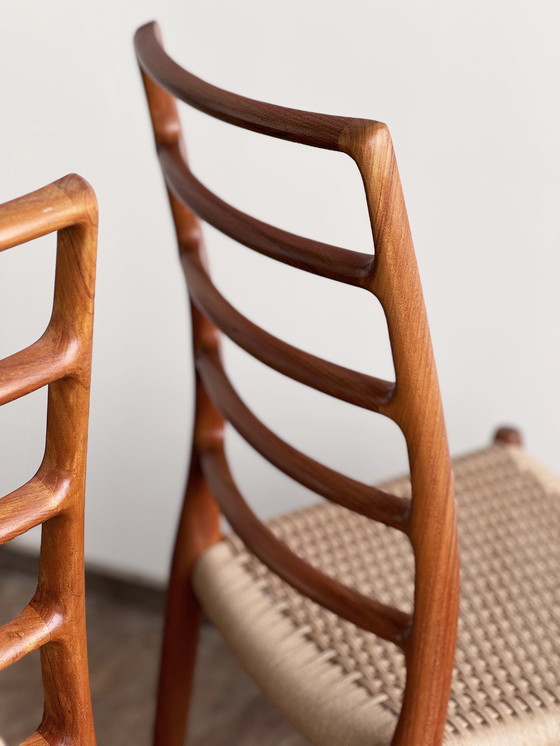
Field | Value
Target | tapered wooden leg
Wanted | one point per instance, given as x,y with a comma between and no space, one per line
198,529
177,666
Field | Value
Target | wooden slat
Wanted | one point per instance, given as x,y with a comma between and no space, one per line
367,613
45,361
333,262
336,380
319,130
29,506
369,501
23,634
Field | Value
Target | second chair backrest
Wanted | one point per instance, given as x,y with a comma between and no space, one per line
54,619
427,637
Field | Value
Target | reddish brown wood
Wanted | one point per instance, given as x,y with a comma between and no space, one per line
336,380
385,621
508,435
25,371
413,402
320,130
199,522
416,408
43,492
14,645
35,740
54,619
361,498
198,528
343,265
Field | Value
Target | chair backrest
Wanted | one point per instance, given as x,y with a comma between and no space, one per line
427,637
54,619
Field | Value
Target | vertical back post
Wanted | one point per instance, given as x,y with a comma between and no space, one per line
416,408
199,522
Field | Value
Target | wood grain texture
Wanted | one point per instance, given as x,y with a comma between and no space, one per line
54,618
199,521
413,401
124,636
416,408
36,632
364,611
343,265
336,380
361,498
319,130
44,492
35,740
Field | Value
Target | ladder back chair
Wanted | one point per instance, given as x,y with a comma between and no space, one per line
274,591
54,619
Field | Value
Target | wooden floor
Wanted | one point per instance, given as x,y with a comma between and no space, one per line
124,638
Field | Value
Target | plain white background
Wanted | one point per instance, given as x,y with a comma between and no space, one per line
470,92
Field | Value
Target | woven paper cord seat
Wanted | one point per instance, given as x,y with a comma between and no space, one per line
341,685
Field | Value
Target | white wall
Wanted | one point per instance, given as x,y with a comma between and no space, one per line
470,93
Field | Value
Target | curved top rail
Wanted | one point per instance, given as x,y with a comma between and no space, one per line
65,202
308,128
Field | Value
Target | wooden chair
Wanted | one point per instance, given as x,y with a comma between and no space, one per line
299,599
54,619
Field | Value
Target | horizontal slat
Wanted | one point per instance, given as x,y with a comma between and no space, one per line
333,262
43,362
367,613
335,380
30,505
319,130
369,501
23,634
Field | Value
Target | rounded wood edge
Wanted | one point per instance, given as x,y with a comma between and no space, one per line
35,740
362,135
295,125
366,612
65,202
508,435
334,486
81,192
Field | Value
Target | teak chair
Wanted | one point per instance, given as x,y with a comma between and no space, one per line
295,599
54,619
